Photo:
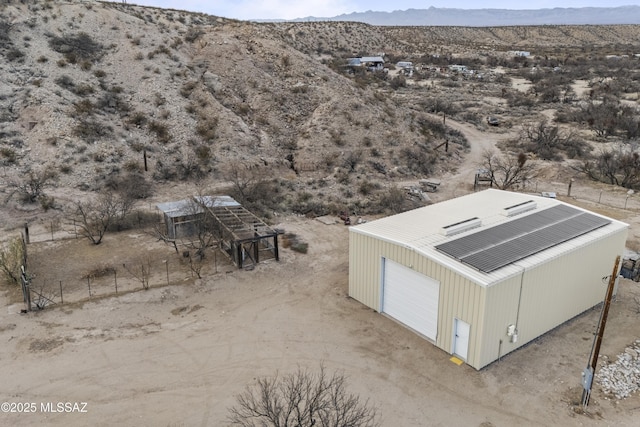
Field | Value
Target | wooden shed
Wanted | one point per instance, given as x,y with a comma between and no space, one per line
241,235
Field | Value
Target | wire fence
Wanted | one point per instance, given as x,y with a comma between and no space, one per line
64,267
47,290
605,195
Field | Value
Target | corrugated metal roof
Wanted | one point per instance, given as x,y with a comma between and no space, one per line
188,207
371,59
419,230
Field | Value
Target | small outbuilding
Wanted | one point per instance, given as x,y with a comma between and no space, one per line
240,234
483,274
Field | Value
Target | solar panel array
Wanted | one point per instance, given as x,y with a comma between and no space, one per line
501,245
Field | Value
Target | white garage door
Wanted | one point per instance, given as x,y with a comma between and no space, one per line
411,298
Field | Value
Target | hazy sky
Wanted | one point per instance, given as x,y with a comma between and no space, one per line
291,9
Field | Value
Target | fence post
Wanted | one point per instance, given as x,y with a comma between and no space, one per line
89,285
166,264
115,279
61,299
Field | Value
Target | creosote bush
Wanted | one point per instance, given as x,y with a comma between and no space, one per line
77,46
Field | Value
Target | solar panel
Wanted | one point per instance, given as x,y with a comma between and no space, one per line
501,245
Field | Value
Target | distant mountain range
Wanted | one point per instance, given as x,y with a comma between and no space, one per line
493,17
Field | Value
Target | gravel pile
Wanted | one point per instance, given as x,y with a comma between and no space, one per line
622,377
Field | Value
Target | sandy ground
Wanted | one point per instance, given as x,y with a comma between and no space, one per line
178,355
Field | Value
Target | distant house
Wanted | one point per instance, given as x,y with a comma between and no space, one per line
523,53
458,68
371,63
405,67
404,64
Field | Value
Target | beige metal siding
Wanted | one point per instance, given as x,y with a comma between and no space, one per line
501,310
552,293
564,287
459,297
364,270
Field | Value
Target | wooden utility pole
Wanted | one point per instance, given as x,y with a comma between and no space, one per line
589,372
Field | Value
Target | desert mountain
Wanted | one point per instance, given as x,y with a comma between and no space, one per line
494,17
88,90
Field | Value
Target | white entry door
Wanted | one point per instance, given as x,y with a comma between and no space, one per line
411,298
461,339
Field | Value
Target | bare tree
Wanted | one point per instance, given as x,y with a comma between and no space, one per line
547,141
160,232
302,399
94,218
11,259
617,167
30,187
245,180
507,171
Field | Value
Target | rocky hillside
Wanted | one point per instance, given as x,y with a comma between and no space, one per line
89,89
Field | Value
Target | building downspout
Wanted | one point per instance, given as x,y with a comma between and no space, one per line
519,301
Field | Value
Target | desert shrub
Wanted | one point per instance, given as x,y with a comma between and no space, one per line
616,167
12,257
164,172
99,73
9,155
203,152
112,102
192,34
83,89
65,82
46,202
242,108
548,142
5,27
418,159
367,187
91,130
293,241
393,200
439,105
14,55
161,130
132,166
159,100
137,118
42,59
77,46
136,219
31,184
131,186
397,82
84,107
207,127
99,271
189,167
432,128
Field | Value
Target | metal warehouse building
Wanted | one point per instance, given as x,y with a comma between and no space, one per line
484,274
